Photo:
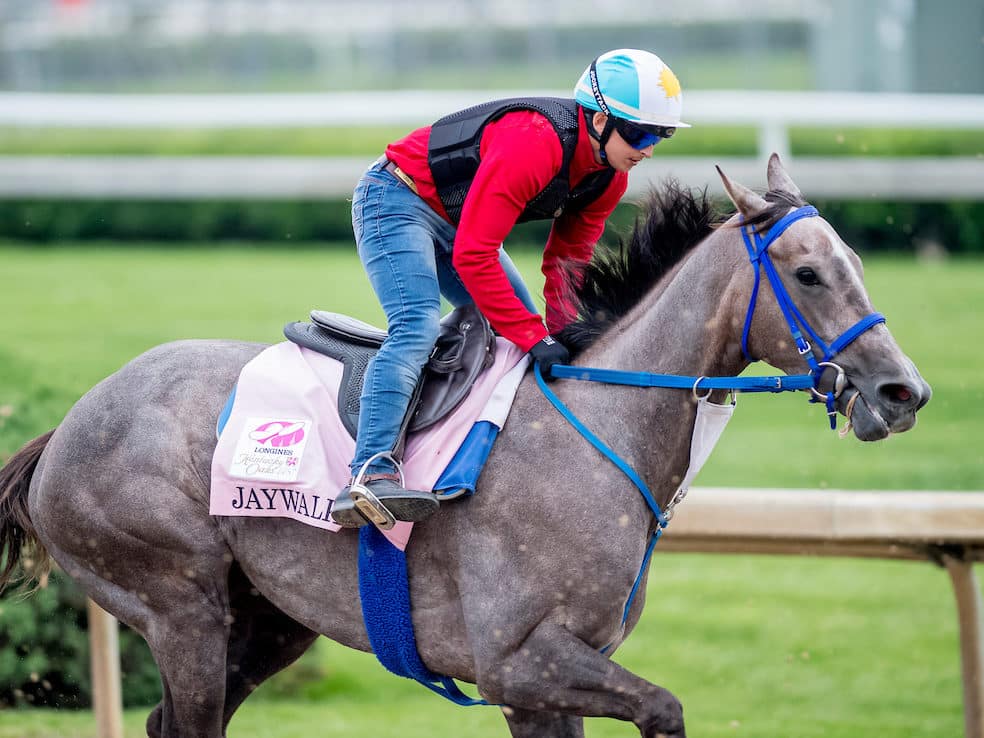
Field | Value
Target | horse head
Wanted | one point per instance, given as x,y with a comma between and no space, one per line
870,379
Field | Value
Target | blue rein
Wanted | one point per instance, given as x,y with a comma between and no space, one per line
757,246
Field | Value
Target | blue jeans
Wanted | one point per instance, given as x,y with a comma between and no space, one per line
405,248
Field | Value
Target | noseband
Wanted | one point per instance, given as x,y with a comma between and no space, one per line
758,255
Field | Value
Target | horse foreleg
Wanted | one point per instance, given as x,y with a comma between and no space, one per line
531,724
552,670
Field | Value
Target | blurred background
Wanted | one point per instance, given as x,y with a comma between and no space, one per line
316,45
880,100
183,168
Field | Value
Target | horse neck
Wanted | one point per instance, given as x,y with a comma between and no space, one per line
689,324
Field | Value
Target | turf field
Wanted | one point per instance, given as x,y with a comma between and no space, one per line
751,645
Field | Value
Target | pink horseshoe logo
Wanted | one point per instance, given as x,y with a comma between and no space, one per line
279,433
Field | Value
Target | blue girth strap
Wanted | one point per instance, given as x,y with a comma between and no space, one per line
385,593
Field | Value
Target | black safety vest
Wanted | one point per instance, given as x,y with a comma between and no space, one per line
453,156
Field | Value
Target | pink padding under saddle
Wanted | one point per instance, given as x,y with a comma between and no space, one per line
284,451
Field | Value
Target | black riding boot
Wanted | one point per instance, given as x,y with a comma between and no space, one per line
381,500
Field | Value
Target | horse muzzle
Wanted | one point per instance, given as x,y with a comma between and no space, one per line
876,409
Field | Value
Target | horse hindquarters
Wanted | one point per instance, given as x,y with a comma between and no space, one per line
121,504
170,590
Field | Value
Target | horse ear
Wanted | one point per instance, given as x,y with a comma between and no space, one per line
779,181
748,203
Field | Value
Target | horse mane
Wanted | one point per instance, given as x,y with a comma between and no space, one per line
672,221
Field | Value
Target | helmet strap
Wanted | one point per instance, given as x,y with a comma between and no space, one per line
602,138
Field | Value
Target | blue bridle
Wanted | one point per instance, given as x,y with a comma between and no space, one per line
758,255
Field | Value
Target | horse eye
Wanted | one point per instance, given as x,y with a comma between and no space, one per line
807,276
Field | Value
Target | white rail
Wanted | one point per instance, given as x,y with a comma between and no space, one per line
274,178
944,527
771,113
410,107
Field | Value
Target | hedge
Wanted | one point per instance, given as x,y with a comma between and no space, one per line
867,225
44,651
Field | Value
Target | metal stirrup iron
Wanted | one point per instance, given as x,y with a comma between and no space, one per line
366,502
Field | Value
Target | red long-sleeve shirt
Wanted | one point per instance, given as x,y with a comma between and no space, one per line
520,154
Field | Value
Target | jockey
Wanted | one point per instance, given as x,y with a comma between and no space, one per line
430,217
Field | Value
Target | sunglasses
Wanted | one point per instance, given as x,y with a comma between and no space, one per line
641,136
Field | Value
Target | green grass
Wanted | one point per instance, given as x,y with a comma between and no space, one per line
328,141
76,314
458,65
752,645
370,141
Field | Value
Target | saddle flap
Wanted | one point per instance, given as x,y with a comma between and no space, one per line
465,347
348,328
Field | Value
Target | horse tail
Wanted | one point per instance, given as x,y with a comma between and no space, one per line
19,542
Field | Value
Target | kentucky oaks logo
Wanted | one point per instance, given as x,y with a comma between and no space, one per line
270,448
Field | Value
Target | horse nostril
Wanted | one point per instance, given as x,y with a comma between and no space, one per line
899,393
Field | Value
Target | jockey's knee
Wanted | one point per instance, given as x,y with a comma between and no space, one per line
413,336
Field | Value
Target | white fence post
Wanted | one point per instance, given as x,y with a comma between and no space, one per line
773,136
970,611
107,691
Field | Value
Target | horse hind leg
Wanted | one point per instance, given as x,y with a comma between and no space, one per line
181,606
190,650
262,641
175,595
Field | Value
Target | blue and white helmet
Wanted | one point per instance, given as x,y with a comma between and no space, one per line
634,85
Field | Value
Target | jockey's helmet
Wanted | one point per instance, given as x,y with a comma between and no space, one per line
632,85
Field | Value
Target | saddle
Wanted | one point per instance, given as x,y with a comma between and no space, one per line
464,348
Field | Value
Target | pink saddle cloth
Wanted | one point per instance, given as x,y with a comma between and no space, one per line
283,451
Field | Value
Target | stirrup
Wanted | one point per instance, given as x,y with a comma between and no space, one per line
366,502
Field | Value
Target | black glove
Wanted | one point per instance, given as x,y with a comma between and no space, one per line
547,352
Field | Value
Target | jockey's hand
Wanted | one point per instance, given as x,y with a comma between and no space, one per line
547,352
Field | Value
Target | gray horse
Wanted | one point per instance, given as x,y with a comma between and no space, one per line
515,589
